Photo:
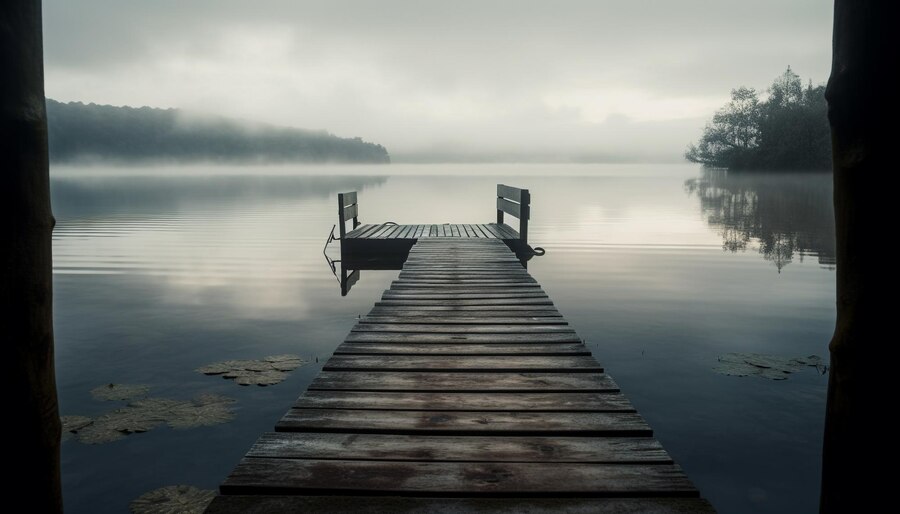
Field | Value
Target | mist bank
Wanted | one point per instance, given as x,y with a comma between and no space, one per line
451,157
81,132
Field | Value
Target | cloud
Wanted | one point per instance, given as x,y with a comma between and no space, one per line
473,77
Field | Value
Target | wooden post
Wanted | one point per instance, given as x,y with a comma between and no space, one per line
26,275
525,215
499,212
860,94
341,219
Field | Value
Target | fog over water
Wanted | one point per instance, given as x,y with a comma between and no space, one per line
508,80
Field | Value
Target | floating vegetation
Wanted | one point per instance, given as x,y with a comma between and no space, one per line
173,499
269,370
72,424
148,413
114,392
773,367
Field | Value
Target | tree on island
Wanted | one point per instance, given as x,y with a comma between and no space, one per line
788,130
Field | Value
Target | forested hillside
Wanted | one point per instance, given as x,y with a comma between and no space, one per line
89,131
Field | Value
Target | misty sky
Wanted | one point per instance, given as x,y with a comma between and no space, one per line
583,79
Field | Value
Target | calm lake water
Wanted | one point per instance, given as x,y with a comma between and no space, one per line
659,268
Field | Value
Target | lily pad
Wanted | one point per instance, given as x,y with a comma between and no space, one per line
113,392
202,412
269,370
148,413
173,499
217,368
773,367
72,424
117,424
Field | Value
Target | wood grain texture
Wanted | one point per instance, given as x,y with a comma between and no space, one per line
462,320
303,476
486,423
441,448
400,337
461,381
482,401
470,349
464,329
244,504
469,363
457,312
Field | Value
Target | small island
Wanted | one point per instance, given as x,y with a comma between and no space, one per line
788,130
81,132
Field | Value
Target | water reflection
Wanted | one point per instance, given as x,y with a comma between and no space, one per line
345,276
109,196
783,216
156,276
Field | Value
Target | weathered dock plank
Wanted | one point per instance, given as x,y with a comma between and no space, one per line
484,423
494,401
463,389
253,504
460,349
429,478
593,450
464,381
506,363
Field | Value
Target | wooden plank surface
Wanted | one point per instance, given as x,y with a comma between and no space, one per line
471,310
308,476
464,381
460,349
258,504
448,401
400,337
447,233
443,448
488,423
461,329
509,207
508,300
351,211
359,230
461,381
425,311
460,279
468,363
465,320
509,192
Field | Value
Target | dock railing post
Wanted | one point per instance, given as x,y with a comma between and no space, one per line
523,219
341,220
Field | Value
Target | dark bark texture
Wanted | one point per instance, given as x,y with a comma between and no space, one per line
861,110
26,284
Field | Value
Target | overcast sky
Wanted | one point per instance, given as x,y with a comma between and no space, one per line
632,79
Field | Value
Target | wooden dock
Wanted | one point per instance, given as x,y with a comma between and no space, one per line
387,244
462,390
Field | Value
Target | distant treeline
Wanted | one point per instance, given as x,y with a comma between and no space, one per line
89,131
786,131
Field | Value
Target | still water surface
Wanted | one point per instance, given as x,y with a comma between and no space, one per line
659,268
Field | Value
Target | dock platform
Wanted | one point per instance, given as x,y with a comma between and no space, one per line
464,389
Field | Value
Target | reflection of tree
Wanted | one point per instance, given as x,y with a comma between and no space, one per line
785,215
75,196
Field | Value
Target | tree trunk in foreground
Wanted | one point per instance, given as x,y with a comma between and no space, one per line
859,95
32,423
